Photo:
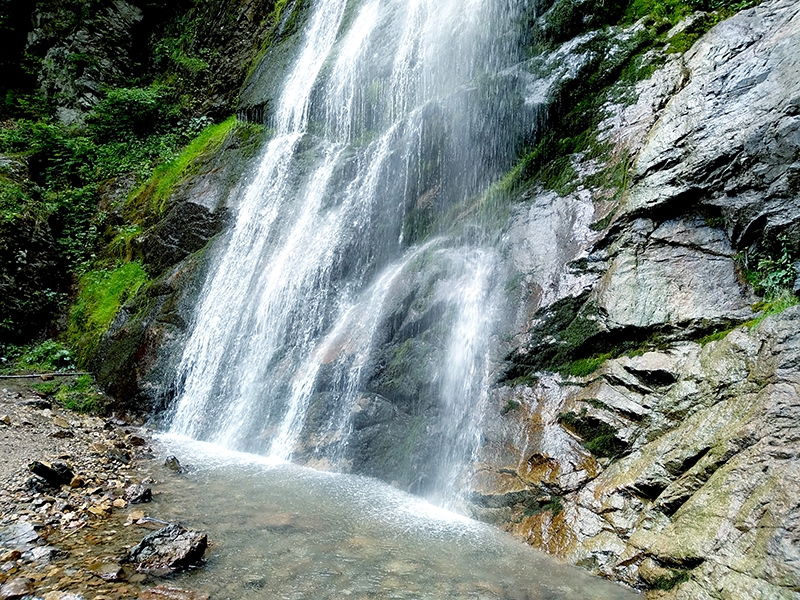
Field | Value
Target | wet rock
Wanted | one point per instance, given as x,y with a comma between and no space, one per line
167,550
170,593
136,441
173,464
38,403
109,572
55,474
19,536
16,588
138,494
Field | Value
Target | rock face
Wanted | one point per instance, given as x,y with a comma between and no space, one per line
673,464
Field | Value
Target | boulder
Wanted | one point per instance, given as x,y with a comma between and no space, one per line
167,550
137,494
55,474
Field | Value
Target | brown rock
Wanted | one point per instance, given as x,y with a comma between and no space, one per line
77,482
119,503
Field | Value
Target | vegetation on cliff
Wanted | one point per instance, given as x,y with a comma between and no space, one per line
113,105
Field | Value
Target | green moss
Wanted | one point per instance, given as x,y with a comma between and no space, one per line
773,307
100,296
555,505
598,437
584,366
669,582
715,337
80,395
150,200
510,405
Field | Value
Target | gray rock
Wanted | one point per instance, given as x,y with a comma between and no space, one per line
170,549
730,138
19,536
16,588
138,494
173,464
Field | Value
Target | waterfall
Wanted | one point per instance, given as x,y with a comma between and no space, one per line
350,260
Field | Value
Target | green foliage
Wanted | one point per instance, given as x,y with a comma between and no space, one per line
769,266
80,395
128,113
151,198
45,357
510,405
100,296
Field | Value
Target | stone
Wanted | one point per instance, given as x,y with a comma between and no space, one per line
138,494
170,593
16,588
5,419
109,572
136,441
56,474
172,463
19,536
170,549
61,422
77,482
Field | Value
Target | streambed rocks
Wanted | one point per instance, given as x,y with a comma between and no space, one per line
65,537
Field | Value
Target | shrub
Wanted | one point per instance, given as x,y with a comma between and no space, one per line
126,113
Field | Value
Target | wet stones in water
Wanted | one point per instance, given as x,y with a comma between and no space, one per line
109,572
172,464
167,550
138,494
16,588
20,536
55,474
162,592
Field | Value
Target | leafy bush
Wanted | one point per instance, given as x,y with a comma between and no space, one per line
128,113
45,357
769,267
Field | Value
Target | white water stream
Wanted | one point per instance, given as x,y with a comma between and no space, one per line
377,134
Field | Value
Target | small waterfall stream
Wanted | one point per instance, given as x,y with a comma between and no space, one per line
347,249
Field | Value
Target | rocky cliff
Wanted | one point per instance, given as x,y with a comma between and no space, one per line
648,427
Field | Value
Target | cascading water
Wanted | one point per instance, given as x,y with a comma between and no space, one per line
351,262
